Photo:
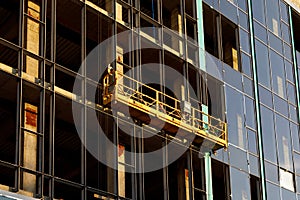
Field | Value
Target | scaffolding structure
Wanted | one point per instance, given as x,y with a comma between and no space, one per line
128,92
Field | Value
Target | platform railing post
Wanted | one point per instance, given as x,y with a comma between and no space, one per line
157,100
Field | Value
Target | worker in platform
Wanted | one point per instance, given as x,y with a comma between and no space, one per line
111,79
109,82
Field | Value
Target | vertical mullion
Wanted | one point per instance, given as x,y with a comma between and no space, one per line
52,101
257,105
190,170
19,98
165,169
84,115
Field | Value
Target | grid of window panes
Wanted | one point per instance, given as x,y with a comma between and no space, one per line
68,30
278,104
244,172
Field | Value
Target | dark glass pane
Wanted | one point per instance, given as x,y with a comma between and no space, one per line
246,64
285,33
273,20
229,10
273,191
265,96
244,41
275,42
298,183
281,105
248,86
271,172
291,93
278,75
238,158
260,32
269,143
252,141
254,165
295,136
289,70
250,113
297,162
287,194
262,62
243,20
293,113
284,143
258,10
235,117
284,12
243,5
232,77
240,186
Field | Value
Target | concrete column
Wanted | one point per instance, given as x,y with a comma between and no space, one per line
187,184
119,67
119,12
109,8
32,38
121,170
176,25
30,146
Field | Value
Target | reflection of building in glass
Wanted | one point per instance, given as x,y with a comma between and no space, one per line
240,58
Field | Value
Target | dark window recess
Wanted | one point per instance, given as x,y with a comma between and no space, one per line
178,179
151,190
255,188
221,37
64,191
150,8
67,144
8,123
68,35
7,176
8,56
9,20
220,180
296,29
172,15
98,175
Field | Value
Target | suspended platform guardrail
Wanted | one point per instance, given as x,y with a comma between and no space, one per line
149,105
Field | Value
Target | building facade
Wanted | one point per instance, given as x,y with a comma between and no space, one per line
90,88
